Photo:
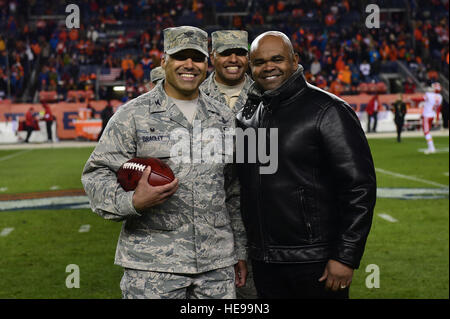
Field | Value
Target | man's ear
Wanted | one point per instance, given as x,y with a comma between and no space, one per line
296,58
211,58
163,62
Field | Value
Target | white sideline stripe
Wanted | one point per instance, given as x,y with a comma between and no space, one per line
6,231
438,150
84,228
7,157
44,202
412,178
387,217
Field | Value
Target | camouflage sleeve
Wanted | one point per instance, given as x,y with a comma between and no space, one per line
116,146
232,189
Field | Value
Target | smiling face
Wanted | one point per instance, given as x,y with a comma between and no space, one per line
230,66
185,71
272,62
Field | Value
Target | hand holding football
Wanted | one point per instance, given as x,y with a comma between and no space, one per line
131,171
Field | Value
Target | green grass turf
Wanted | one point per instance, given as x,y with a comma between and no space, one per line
412,254
404,158
44,242
41,169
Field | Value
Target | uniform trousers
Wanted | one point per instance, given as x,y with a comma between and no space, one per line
214,284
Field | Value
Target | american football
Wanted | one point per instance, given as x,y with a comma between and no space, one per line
131,171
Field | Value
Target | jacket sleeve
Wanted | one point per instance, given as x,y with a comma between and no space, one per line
350,159
232,190
116,146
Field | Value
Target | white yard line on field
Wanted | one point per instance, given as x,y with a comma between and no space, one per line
7,157
389,218
84,228
412,178
6,231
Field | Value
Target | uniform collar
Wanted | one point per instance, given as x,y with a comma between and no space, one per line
160,102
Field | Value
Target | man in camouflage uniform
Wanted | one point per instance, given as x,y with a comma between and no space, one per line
229,84
184,239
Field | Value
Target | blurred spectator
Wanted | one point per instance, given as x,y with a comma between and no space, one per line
364,67
409,86
105,115
48,118
372,109
315,67
147,66
127,65
30,123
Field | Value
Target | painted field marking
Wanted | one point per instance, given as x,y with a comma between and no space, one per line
44,203
84,228
389,218
438,150
54,187
412,193
3,189
412,178
7,157
446,173
6,231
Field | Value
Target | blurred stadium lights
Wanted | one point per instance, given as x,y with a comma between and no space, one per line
119,88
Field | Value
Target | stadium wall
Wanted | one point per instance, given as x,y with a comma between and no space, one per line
66,113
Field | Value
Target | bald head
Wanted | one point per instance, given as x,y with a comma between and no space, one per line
272,59
278,34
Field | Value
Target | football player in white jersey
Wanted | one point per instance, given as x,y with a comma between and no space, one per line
432,101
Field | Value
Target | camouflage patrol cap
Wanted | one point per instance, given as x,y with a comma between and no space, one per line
185,37
229,39
157,74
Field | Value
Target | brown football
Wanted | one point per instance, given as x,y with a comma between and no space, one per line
131,171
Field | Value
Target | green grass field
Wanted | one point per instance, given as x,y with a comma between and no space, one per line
412,254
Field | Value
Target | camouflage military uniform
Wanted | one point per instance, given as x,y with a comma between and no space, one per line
197,230
217,284
157,74
210,88
192,232
221,41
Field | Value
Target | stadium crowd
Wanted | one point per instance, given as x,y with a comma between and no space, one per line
123,41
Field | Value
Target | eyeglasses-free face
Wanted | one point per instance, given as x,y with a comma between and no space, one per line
185,71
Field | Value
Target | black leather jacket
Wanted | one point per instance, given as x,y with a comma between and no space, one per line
319,203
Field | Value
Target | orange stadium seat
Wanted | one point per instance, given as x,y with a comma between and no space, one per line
363,88
381,88
48,96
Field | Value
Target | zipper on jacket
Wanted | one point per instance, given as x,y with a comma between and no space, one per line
265,124
307,221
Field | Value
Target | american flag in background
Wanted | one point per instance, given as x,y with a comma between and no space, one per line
107,75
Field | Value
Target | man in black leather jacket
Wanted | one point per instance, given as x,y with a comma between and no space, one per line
308,222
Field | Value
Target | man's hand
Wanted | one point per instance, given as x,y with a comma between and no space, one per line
146,195
338,275
240,272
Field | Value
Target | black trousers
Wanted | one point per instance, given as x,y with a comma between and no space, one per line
399,124
29,130
49,130
374,116
292,281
